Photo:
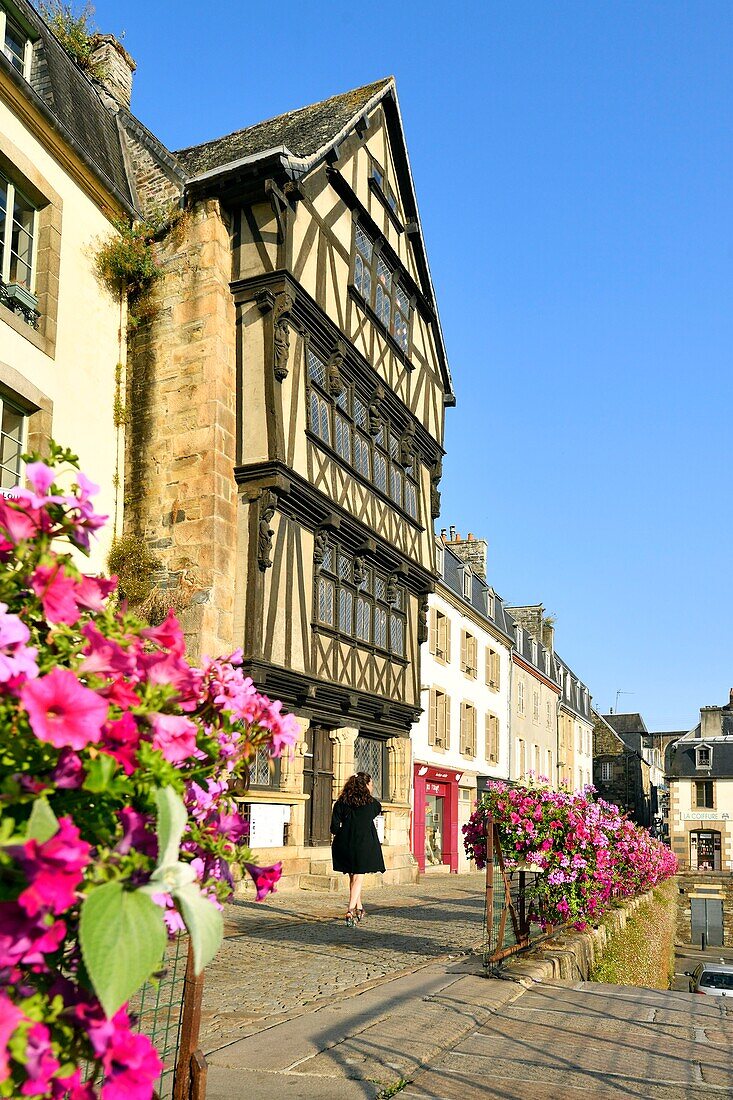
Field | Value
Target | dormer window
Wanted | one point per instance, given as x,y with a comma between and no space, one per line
519,638
703,756
439,560
16,44
378,283
534,652
491,608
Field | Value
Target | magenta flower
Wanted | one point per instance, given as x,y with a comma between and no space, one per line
25,942
40,1064
264,878
10,1017
92,592
121,740
175,736
69,772
17,524
57,592
62,711
138,833
17,659
53,869
131,1065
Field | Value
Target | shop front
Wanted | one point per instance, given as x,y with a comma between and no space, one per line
435,833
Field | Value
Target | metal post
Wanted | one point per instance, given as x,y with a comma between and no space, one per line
702,941
489,884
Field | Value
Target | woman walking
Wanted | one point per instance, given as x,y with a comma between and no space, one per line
356,849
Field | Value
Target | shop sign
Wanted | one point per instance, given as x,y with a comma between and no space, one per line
704,815
434,788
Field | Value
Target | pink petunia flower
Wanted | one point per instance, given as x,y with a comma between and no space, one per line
53,869
131,1066
264,878
25,942
57,592
121,740
17,659
69,772
10,1017
174,735
92,592
62,711
40,1063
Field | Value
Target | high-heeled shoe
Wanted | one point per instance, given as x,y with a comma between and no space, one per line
351,919
359,914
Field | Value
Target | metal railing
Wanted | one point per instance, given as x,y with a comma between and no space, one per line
511,913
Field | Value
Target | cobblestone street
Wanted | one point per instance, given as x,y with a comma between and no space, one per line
294,950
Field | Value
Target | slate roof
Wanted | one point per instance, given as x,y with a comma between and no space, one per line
303,132
523,646
568,692
682,761
453,568
630,728
73,105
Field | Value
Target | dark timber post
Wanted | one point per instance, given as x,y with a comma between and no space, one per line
190,1077
489,883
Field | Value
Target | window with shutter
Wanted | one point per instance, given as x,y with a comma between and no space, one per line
492,669
432,716
492,738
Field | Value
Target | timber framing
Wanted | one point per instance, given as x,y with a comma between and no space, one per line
308,317
333,704
298,499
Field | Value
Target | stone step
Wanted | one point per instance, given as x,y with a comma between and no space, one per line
329,883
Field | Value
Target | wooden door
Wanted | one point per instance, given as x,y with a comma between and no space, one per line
318,783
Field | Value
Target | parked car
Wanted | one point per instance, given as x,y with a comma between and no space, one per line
713,979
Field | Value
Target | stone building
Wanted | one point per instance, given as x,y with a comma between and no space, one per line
285,447
535,694
701,792
63,183
463,733
621,772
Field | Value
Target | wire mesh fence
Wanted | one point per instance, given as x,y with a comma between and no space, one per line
158,1007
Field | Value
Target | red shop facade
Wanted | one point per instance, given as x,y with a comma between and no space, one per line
435,819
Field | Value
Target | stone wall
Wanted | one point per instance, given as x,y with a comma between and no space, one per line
180,491
708,884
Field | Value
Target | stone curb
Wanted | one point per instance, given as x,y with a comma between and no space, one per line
570,956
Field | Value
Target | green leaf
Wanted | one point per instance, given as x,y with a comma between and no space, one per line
172,818
204,922
123,937
99,773
43,823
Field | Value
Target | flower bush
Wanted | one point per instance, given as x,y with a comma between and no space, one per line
117,825
589,853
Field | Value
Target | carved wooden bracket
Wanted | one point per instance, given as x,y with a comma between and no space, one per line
333,371
281,320
376,416
435,475
267,508
422,619
407,445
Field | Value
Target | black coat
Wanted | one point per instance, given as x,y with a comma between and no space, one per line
356,849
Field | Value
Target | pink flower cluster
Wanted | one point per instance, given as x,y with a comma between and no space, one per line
102,710
588,852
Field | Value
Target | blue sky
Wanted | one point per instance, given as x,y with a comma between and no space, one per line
573,162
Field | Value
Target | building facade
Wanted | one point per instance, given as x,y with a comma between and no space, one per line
621,771
463,732
701,792
535,691
574,730
62,185
285,451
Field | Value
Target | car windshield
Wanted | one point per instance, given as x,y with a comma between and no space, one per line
710,979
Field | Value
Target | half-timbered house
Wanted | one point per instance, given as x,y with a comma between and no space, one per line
287,401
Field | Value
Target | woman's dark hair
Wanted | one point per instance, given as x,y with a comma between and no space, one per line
356,791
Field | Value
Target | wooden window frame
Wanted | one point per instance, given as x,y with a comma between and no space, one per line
440,635
439,720
5,19
493,669
469,654
469,730
491,729
708,792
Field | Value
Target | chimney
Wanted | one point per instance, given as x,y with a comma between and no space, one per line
471,550
548,634
111,56
452,533
730,698
711,724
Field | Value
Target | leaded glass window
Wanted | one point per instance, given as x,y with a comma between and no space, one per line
325,600
410,499
395,485
378,284
360,412
380,471
362,619
380,627
397,634
369,757
260,770
320,420
316,369
343,437
361,455
346,611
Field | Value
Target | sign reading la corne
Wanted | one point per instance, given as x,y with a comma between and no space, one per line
704,815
